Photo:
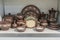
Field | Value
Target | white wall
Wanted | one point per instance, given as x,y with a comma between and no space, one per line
1,8
59,5
59,13
15,6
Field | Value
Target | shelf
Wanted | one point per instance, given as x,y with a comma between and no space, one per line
30,33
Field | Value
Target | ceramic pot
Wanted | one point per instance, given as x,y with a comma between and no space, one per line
43,22
39,28
21,28
5,25
8,18
20,22
20,16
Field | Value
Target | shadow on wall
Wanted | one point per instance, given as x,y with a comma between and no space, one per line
59,18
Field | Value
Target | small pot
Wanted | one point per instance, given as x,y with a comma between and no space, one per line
8,18
20,22
5,25
21,28
52,20
20,16
44,22
39,28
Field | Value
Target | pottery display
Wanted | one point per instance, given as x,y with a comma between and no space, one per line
30,17
20,22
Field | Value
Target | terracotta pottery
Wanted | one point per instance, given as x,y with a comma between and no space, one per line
20,22
21,28
43,22
20,16
5,25
8,18
39,28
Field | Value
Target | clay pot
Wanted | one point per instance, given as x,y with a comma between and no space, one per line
39,28
20,22
8,18
20,16
44,22
5,25
21,28
52,20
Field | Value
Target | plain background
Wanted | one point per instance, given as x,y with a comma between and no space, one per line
15,6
